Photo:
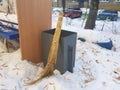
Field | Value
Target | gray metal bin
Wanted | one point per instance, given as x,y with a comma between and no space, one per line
66,51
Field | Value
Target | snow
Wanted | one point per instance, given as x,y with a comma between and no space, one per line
96,68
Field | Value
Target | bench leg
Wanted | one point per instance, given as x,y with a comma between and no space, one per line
6,45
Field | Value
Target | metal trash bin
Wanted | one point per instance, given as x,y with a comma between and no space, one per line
66,52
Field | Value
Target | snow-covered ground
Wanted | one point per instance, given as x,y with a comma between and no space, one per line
96,68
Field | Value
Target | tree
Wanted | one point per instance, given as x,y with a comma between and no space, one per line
90,23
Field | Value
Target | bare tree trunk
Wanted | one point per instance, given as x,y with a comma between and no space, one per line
90,23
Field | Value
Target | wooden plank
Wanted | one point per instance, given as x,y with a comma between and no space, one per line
34,16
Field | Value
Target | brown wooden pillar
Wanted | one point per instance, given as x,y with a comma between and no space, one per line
34,16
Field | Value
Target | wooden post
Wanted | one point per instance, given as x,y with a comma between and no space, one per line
34,16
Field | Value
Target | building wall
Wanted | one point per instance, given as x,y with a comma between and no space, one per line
111,5
69,3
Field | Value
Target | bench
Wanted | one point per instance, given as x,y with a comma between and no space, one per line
8,32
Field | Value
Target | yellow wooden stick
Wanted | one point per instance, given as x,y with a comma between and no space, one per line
52,57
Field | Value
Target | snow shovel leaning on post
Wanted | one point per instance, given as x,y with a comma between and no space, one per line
52,57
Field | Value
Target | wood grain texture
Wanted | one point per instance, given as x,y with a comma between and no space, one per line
34,16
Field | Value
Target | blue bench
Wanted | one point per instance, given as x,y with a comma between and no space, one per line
10,32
